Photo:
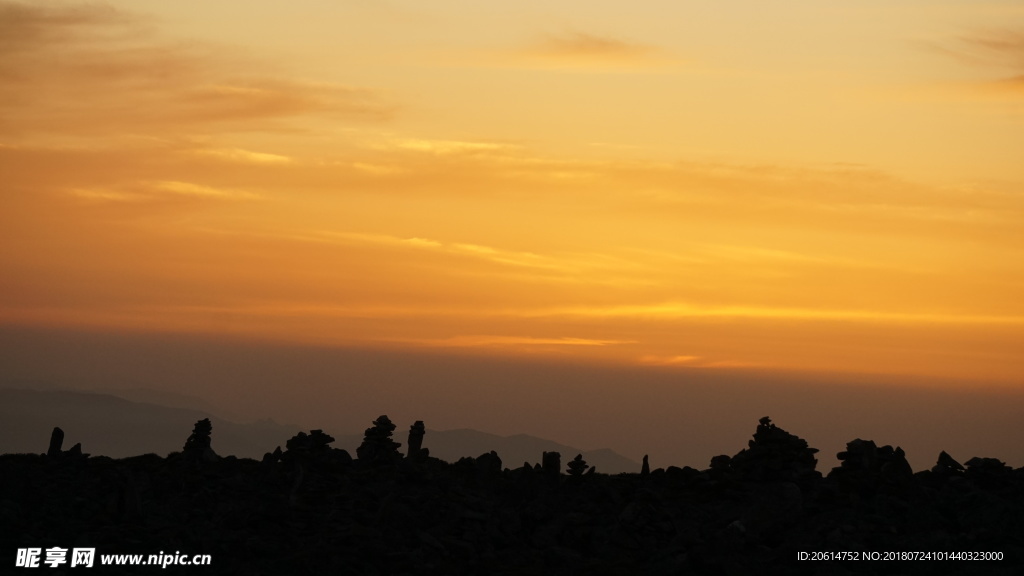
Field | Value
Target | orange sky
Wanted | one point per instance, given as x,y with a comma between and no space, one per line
825,186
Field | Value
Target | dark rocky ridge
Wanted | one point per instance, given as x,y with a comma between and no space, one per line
313,509
118,427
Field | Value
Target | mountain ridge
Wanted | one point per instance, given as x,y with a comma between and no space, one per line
110,425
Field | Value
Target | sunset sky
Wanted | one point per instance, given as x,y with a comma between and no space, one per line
793,186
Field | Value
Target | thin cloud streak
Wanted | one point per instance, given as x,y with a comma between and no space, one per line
162,190
245,156
511,258
575,50
583,45
673,311
473,341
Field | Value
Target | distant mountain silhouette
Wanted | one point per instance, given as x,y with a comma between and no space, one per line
111,425
171,399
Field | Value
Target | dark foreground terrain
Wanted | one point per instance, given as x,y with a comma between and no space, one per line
314,509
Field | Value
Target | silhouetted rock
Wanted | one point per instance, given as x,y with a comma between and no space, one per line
198,446
775,455
988,472
895,466
312,449
577,466
552,464
721,466
946,465
273,457
483,469
55,452
490,463
56,442
866,467
645,468
315,441
377,446
987,466
416,433
859,457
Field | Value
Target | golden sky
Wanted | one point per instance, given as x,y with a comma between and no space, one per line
812,186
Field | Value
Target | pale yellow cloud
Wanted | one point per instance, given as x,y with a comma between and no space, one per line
677,310
96,194
578,50
198,190
675,360
159,190
378,169
451,146
244,156
582,45
471,341
491,254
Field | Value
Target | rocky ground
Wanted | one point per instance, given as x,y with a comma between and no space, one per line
313,509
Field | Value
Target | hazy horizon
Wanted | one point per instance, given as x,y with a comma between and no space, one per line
679,418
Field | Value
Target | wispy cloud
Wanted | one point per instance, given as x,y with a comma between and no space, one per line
678,310
451,146
1000,51
472,341
159,191
190,189
125,80
241,100
675,360
1004,47
24,25
98,194
244,156
585,51
507,257
581,45
686,361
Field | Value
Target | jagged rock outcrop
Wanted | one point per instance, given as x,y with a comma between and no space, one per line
775,455
551,463
947,466
416,433
56,443
54,450
377,446
988,472
866,467
577,466
198,446
313,448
